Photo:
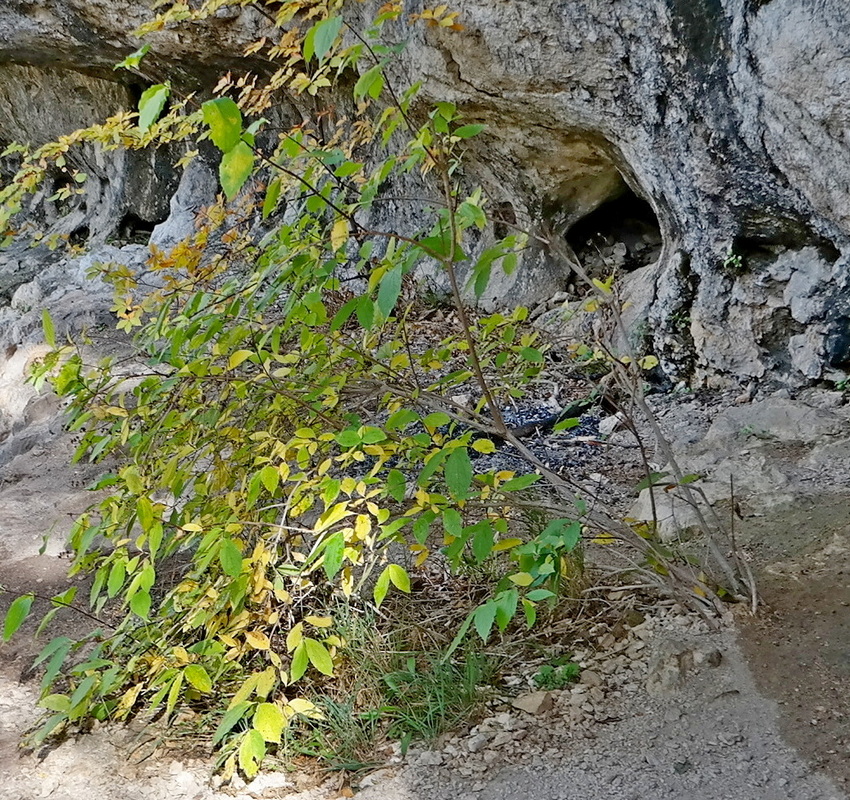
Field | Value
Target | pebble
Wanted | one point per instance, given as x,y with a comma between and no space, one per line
590,678
534,702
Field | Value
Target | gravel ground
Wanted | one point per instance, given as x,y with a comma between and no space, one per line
669,711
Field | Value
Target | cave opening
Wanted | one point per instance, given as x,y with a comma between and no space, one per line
622,234
134,230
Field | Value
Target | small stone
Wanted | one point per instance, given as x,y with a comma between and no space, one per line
268,784
534,702
429,758
501,739
590,678
477,743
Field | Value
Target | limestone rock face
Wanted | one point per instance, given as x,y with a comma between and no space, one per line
706,139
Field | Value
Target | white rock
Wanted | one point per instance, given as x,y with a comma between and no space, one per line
534,702
268,782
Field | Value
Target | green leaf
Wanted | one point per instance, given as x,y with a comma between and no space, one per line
134,59
299,663
539,594
117,574
272,196
230,718
235,168
482,279
56,702
566,424
483,618
567,532
53,722
653,479
151,104
230,557
467,131
482,541
334,551
270,476
372,435
252,751
78,702
133,479
432,464
319,657
530,613
519,483
198,677
140,604
321,37
396,485
437,420
458,473
348,438
49,330
399,577
342,316
224,119
16,615
531,354
506,605
270,721
382,586
144,512
452,522
370,82
400,419
365,311
173,694
389,291
57,651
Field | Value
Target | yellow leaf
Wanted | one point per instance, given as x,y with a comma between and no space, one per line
332,516
294,637
191,527
605,538
128,700
304,707
347,582
266,680
506,544
258,640
237,357
362,526
181,654
319,622
339,233
484,446
521,579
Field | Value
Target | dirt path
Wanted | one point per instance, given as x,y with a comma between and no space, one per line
696,726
